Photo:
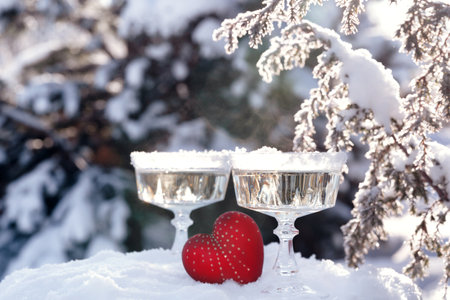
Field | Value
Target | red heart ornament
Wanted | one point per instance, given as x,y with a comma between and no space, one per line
234,250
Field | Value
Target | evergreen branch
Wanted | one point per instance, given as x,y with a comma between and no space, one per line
350,19
259,23
442,193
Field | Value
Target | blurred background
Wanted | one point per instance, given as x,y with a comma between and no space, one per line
84,83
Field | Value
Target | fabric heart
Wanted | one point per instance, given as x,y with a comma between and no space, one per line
234,251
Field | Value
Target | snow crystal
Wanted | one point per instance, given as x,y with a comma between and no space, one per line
271,159
165,18
159,274
371,85
181,160
203,36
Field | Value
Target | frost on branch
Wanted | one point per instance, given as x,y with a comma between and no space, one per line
350,20
360,98
425,34
259,23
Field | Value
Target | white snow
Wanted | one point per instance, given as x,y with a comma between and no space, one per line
165,18
38,96
181,160
71,99
30,56
443,136
395,253
103,74
271,159
158,51
159,274
31,47
121,106
399,159
153,118
134,72
23,200
370,84
437,172
78,217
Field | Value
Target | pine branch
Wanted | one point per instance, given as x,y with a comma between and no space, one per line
259,23
350,19
443,195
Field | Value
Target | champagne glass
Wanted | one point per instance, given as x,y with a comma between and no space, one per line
181,182
287,186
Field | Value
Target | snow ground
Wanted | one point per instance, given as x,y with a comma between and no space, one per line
159,274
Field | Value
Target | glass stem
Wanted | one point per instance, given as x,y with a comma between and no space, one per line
182,221
285,263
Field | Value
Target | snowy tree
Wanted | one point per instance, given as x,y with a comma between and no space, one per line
359,97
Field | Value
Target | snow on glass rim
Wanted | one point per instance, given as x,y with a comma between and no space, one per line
270,159
181,160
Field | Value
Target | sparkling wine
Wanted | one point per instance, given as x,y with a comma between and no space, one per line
293,193
170,189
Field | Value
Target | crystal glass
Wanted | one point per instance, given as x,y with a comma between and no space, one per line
181,182
287,186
